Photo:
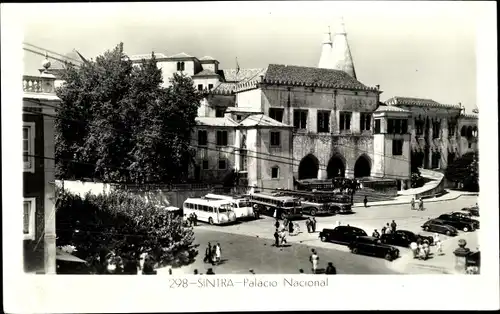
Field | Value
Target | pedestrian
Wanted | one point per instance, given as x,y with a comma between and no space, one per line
383,230
387,228
185,220
439,246
308,225
195,272
301,271
208,254
283,236
412,203
330,269
337,223
256,211
195,219
421,252
426,249
277,224
210,271
421,204
414,249
290,227
218,253
276,238
393,226
285,223
214,255
313,224
314,258
375,234
365,201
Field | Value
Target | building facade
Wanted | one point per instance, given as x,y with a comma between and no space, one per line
39,232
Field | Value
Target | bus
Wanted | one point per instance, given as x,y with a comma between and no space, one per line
241,206
320,202
215,212
285,206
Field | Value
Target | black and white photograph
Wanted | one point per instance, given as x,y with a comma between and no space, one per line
268,144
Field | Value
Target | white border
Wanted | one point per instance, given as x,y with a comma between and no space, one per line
151,293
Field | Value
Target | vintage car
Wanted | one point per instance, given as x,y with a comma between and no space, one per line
473,210
373,246
465,224
439,226
404,238
341,234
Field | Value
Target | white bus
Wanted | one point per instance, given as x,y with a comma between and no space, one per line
241,206
285,206
216,212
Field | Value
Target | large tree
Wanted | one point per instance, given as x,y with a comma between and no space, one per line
464,170
117,123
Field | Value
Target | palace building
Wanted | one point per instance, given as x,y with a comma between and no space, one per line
281,122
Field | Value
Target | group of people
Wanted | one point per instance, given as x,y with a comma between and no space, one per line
420,204
388,228
191,220
311,224
346,185
422,249
314,260
213,254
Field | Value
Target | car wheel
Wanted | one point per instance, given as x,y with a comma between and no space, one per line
313,212
388,256
426,228
448,232
354,250
323,239
465,229
210,221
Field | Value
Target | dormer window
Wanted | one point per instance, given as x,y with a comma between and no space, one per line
180,66
200,87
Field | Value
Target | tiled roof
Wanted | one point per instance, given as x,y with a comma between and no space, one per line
224,88
146,56
261,120
181,55
244,109
469,116
391,109
207,58
206,72
233,75
420,102
309,76
211,121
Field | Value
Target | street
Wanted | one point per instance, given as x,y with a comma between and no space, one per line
248,245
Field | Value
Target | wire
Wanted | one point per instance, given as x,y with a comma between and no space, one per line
53,52
50,57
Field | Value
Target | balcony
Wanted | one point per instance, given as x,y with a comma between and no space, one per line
43,84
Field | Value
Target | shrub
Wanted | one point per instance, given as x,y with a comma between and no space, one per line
124,225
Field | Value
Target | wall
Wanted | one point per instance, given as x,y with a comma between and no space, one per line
252,163
168,68
250,99
205,81
397,166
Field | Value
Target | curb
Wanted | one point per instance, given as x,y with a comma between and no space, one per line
407,202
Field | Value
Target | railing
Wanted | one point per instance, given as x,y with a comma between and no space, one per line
38,84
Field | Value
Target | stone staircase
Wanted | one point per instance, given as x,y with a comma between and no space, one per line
434,187
371,195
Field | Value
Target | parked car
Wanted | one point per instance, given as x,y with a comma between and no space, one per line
404,238
465,217
373,246
472,210
341,234
465,224
437,225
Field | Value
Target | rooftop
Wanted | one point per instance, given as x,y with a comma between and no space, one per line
243,109
309,76
181,55
207,58
211,121
206,72
146,56
419,102
388,108
235,75
224,88
261,120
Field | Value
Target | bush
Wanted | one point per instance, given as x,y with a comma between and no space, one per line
416,179
124,226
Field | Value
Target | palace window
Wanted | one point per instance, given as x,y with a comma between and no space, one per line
221,138
202,138
323,121
436,129
435,160
377,126
220,112
275,172
365,121
200,87
397,126
390,126
29,208
243,154
29,146
222,164
204,164
452,125
397,147
404,126
419,127
276,114
238,117
275,139
300,119
210,86
345,121
180,66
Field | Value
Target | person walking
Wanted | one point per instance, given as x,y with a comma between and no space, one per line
387,228
383,230
290,227
283,236
277,224
330,269
439,246
313,224
393,226
218,253
421,204
412,203
375,234
308,225
210,271
256,211
195,219
208,254
314,258
276,238
365,201
414,249
214,255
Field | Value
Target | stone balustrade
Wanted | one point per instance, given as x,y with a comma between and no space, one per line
38,84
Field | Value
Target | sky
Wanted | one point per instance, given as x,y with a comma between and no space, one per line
411,49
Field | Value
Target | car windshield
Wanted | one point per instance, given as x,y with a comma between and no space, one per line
223,208
244,204
288,204
359,232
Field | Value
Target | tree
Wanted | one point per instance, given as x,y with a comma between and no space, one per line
464,171
123,225
116,123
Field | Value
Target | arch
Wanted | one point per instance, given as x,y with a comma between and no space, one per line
362,167
336,167
308,167
469,131
463,131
